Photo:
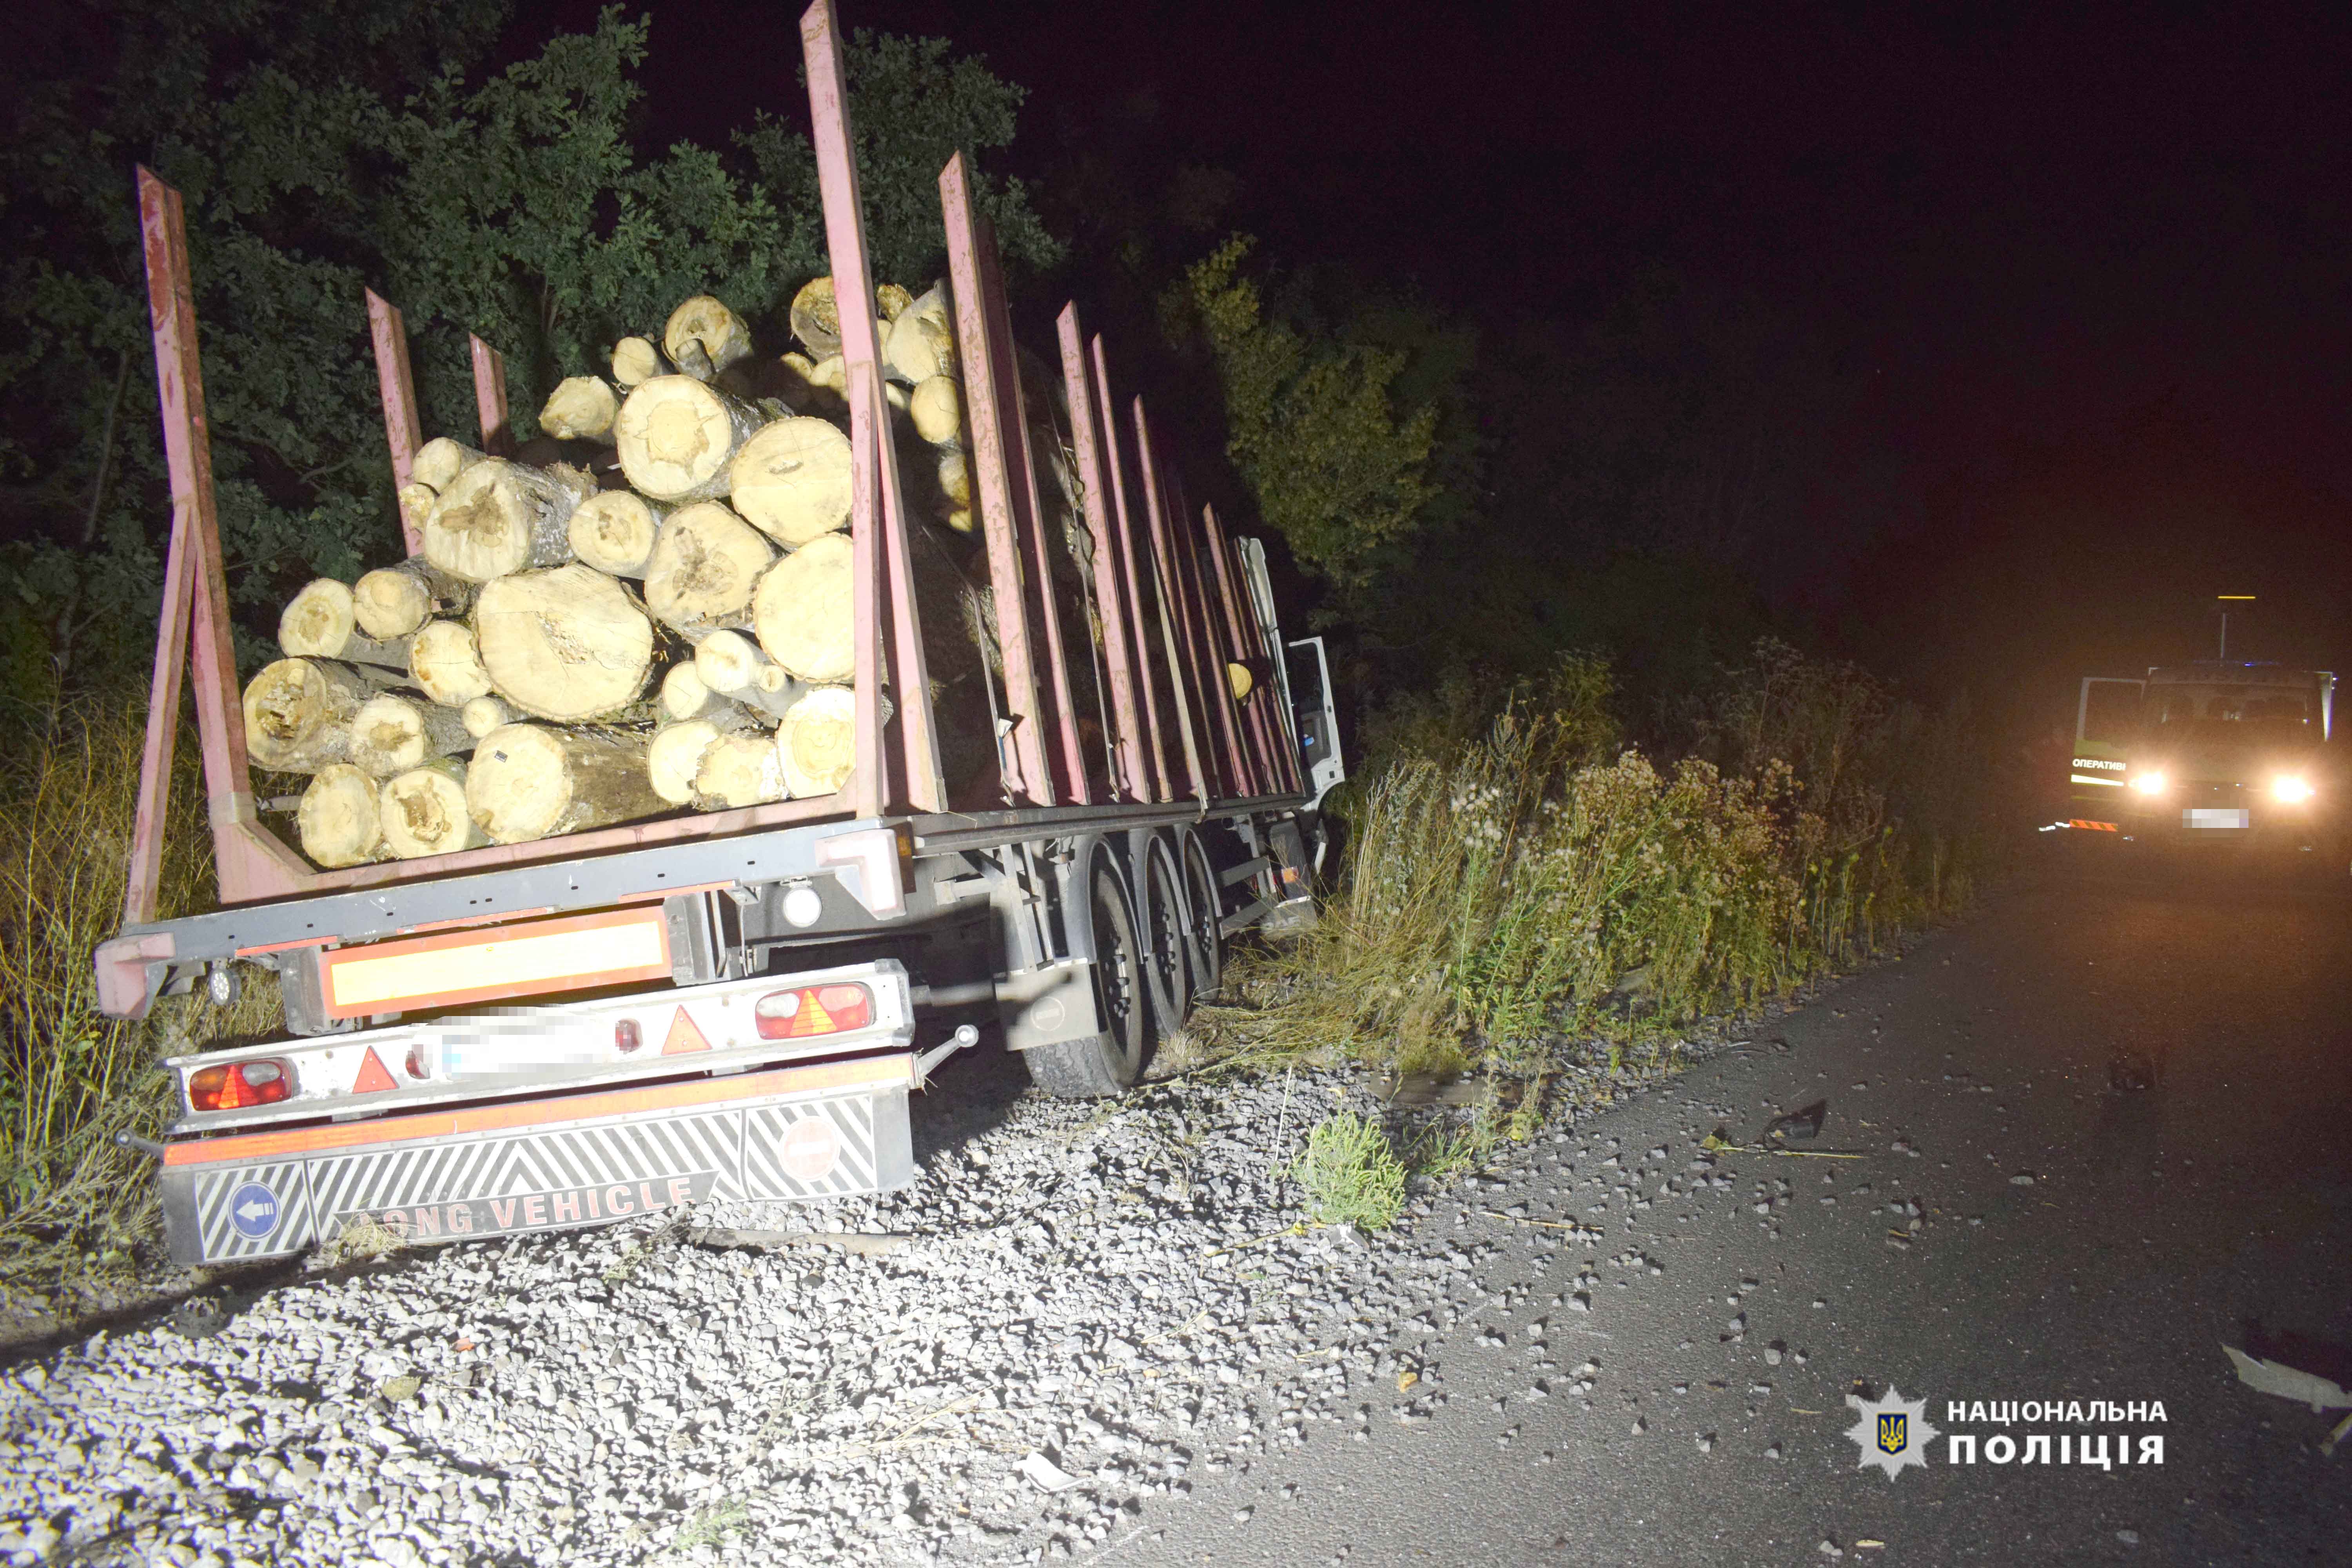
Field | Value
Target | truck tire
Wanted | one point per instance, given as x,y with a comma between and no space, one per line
1167,940
1093,1066
1204,910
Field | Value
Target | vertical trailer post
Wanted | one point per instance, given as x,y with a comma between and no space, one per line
1176,627
987,403
490,398
878,531
1114,614
396,387
195,605
1017,451
1216,686
1129,555
1239,617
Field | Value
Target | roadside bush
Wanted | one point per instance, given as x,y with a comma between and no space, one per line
1351,1175
71,1203
1505,887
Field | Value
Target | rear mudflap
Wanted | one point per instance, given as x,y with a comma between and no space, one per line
810,1132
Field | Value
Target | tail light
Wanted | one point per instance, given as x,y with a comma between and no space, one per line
627,1037
813,1010
236,1085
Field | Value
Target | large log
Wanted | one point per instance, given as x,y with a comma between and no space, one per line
337,821
447,664
676,437
439,461
613,530
804,611
816,320
567,644
391,735
422,812
502,517
739,770
817,742
704,566
636,361
534,781
714,331
920,343
396,601
321,622
791,480
936,405
581,409
298,711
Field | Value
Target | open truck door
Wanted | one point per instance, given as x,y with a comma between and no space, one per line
2107,721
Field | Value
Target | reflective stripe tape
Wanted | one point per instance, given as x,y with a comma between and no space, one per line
608,949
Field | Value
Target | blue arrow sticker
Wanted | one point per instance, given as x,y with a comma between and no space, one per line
253,1209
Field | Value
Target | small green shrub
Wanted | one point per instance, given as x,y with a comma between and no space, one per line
1351,1175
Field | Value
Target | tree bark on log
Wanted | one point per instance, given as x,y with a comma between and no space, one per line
321,622
502,517
439,461
703,569
791,480
567,644
483,714
581,409
817,742
533,781
676,437
396,601
613,530
337,822
446,664
422,812
298,711
804,611
391,735
739,770
710,327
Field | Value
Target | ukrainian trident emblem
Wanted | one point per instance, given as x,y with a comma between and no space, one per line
1894,1432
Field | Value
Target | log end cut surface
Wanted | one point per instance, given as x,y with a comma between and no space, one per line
804,611
564,644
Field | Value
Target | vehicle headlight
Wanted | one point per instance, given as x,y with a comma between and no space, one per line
2149,784
2291,787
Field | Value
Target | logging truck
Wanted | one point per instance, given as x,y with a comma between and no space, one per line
711,768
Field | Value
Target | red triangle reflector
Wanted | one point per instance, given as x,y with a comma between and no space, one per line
373,1078
683,1037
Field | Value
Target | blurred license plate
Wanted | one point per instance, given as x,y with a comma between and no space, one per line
2214,817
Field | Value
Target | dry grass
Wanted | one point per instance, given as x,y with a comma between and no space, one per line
1505,889
75,1208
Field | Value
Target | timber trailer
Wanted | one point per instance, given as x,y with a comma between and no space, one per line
734,1006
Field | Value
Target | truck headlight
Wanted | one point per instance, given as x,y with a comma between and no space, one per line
2149,784
2291,788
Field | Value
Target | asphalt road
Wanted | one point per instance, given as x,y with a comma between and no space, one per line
2213,1206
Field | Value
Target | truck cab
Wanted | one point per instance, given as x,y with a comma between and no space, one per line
2220,753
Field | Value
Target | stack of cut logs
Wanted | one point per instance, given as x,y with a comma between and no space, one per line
656,614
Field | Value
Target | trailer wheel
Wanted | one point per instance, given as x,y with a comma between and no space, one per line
1167,940
1203,911
1095,1066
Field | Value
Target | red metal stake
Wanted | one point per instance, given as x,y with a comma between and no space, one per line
1183,665
1216,686
1116,618
870,439
398,390
490,398
1239,618
988,402
1130,562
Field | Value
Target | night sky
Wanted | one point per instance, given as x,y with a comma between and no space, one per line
2080,281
